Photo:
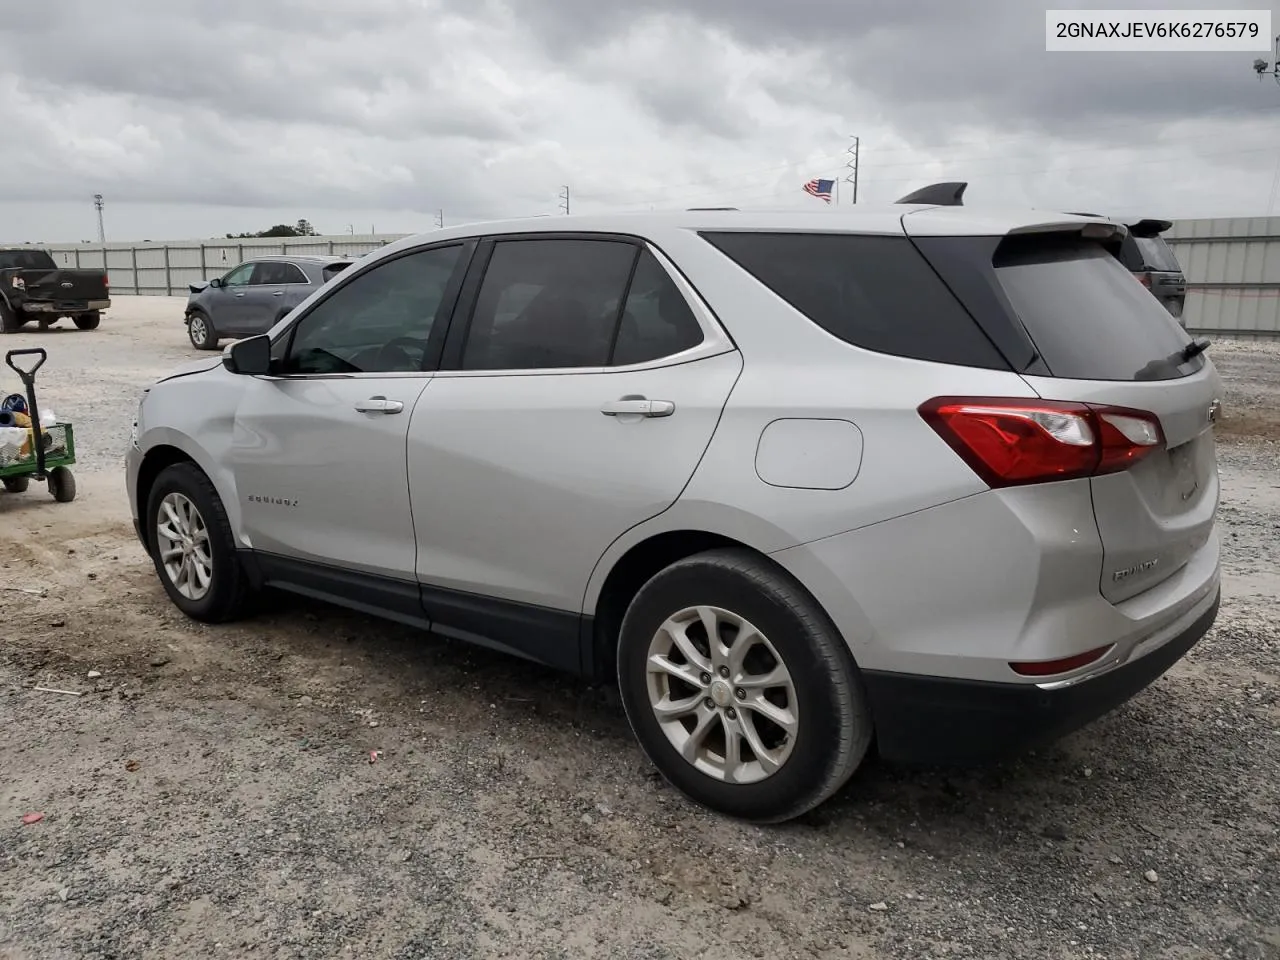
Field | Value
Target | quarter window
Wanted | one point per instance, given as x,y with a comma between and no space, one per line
381,321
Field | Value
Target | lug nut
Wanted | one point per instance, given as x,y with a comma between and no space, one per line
709,703
724,671
740,694
733,714
705,678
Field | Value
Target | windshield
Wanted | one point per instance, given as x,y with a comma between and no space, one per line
1087,315
1156,254
26,260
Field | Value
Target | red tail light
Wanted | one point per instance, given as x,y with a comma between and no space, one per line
1145,280
1010,442
106,282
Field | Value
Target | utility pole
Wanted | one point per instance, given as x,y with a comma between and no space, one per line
564,200
98,205
440,219
852,165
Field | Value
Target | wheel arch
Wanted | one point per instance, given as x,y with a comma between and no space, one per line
165,450
688,527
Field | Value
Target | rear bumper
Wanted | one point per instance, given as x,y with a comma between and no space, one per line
934,720
66,307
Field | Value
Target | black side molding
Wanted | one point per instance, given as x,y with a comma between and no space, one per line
938,194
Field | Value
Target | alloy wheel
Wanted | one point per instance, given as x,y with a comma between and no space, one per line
722,695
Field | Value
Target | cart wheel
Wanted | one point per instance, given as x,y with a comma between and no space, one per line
62,484
17,484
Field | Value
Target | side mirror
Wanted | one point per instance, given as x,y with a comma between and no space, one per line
250,357
215,282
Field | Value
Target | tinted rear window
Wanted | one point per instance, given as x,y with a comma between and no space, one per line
1087,315
1156,254
877,293
26,260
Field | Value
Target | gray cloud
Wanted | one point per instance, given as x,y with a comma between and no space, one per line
485,108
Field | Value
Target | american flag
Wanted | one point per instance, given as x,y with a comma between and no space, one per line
820,189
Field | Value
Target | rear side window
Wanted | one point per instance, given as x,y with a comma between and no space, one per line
874,292
548,303
1086,314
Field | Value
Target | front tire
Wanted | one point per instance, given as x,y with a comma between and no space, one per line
192,547
740,689
88,321
200,331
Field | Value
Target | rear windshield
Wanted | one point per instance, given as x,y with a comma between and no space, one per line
875,292
1087,315
1156,254
26,260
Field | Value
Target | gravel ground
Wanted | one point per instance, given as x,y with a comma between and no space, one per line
313,783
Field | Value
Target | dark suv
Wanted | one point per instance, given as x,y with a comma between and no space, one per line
1151,260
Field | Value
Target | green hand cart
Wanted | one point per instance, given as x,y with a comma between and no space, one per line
49,452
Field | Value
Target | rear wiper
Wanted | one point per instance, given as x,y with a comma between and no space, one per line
1167,367
1194,349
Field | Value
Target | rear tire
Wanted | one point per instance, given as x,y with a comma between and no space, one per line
201,332
192,546
17,484
10,320
62,484
88,321
794,671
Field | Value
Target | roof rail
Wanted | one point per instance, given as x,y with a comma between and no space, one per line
939,194
692,209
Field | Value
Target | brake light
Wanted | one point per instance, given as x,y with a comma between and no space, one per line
1010,442
106,282
1144,279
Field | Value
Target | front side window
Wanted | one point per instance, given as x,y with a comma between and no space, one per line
240,276
380,322
549,303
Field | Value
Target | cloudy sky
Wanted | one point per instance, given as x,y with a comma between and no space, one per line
195,118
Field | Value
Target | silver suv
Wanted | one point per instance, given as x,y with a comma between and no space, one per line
799,482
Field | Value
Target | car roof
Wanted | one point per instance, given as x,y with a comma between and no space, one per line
300,258
925,220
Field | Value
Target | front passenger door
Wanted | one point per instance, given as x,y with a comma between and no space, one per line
226,306
318,448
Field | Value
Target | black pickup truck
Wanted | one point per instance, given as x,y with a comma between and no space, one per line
33,287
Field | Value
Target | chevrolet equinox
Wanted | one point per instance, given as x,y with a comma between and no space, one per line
924,476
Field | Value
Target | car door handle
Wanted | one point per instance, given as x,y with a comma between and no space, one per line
278,293
379,405
638,407
239,294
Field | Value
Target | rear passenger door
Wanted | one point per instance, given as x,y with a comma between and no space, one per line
581,384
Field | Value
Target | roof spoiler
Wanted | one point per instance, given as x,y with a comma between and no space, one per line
938,195
1148,227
